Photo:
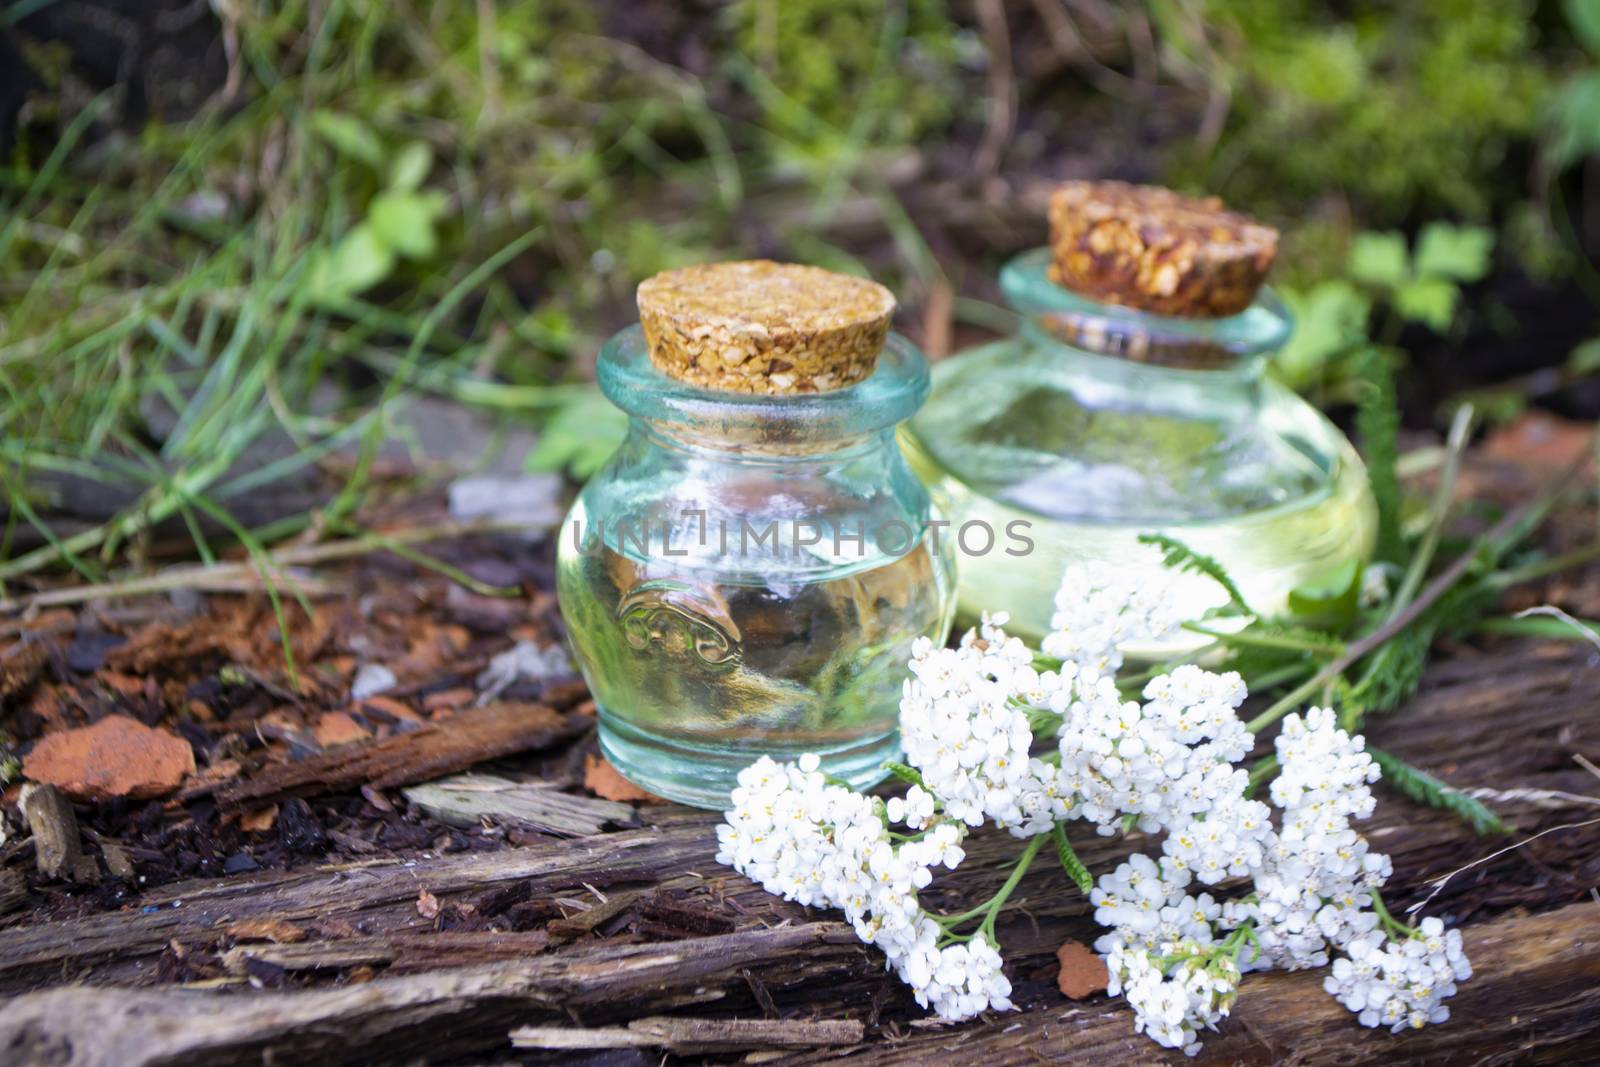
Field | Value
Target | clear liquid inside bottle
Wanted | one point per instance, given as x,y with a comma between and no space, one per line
1090,449
747,575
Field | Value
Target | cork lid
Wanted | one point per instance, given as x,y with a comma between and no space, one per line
762,327
1144,247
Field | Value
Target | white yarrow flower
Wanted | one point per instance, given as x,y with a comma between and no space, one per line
1100,607
823,845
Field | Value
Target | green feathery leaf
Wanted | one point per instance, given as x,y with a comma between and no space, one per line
1424,788
904,773
1395,669
1179,556
1070,861
1378,425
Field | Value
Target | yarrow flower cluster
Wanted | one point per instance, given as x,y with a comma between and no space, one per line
972,719
1101,607
1314,887
1174,1000
1400,983
823,845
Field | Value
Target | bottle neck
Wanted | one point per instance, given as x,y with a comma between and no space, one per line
1132,359
1118,381
785,445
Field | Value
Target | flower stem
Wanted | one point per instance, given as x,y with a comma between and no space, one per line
1024,861
990,909
1540,568
1444,495
1390,923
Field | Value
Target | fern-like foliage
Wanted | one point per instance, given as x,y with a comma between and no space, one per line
1179,556
904,773
1071,863
1395,670
1378,424
1424,788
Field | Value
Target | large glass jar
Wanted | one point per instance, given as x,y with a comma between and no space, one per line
1096,423
747,574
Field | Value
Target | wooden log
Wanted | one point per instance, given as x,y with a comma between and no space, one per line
380,894
1450,729
394,1020
1535,998
435,749
687,1036
13,890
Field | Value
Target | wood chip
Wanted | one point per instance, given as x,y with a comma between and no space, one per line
422,754
336,728
116,757
118,861
467,800
259,820
397,952
57,847
1083,972
604,780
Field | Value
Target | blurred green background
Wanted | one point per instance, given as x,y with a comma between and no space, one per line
240,239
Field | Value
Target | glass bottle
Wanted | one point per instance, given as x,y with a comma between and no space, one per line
747,574
1096,423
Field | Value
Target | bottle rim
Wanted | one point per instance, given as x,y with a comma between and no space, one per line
1263,327
891,394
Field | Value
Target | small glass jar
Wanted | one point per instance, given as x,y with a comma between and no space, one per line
747,574
1097,423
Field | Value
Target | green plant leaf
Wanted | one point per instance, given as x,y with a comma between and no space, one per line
1461,253
410,167
1379,259
359,261
350,136
904,773
1178,556
1329,601
1431,301
1330,318
1575,118
1070,861
1584,18
580,437
1584,359
404,222
1378,427
1424,788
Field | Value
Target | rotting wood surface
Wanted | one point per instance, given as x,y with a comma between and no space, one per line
1536,994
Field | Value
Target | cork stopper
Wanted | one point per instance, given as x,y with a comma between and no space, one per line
1148,248
763,327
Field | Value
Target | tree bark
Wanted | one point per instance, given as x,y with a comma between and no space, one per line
394,1020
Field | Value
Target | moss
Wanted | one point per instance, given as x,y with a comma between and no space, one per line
837,58
1397,107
